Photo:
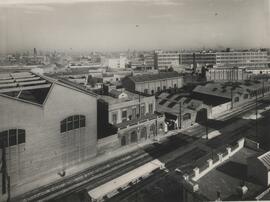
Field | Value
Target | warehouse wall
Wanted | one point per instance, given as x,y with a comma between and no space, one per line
46,149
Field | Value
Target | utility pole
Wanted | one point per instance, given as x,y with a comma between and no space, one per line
263,88
231,98
256,122
206,126
180,116
156,125
4,168
139,105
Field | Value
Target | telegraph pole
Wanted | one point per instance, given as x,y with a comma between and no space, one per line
256,122
180,116
231,98
263,88
206,126
4,168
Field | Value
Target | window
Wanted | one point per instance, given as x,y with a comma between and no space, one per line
134,112
186,116
150,108
142,110
72,122
114,118
245,96
236,99
145,91
124,115
12,137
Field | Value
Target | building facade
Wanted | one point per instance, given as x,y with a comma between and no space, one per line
227,74
181,111
198,58
167,59
153,83
125,112
242,58
47,126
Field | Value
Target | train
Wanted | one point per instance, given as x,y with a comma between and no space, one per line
123,182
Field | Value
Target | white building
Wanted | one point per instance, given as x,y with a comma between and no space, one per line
167,59
118,63
242,59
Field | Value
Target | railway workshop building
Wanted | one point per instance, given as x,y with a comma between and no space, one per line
153,83
46,126
129,115
181,111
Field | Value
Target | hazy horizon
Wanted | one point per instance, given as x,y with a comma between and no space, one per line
117,25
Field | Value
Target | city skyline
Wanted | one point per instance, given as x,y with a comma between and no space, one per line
118,25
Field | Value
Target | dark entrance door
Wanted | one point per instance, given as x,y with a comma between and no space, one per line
201,116
123,141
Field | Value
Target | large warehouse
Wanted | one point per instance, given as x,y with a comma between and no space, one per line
46,125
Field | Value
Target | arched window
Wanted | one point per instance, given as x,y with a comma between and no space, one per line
12,137
186,116
72,122
133,137
144,133
236,99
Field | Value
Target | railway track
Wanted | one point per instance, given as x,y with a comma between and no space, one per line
103,172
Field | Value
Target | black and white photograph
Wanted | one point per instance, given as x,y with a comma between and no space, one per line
134,100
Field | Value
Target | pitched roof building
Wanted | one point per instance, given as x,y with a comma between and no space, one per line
47,126
153,83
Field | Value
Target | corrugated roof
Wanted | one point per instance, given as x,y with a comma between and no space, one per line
153,77
265,159
25,86
30,87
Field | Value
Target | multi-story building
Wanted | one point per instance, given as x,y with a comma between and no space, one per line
47,126
242,58
129,115
197,58
153,83
150,60
227,74
118,63
167,59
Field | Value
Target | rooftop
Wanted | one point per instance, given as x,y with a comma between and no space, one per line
227,177
137,120
130,96
153,77
30,87
25,86
265,159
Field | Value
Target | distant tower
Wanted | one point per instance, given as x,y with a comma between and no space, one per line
35,52
194,62
35,55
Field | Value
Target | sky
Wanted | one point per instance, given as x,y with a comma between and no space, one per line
118,25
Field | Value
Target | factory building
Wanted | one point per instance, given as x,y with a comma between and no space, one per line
131,116
167,59
237,92
198,58
248,59
181,111
153,83
227,74
47,126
